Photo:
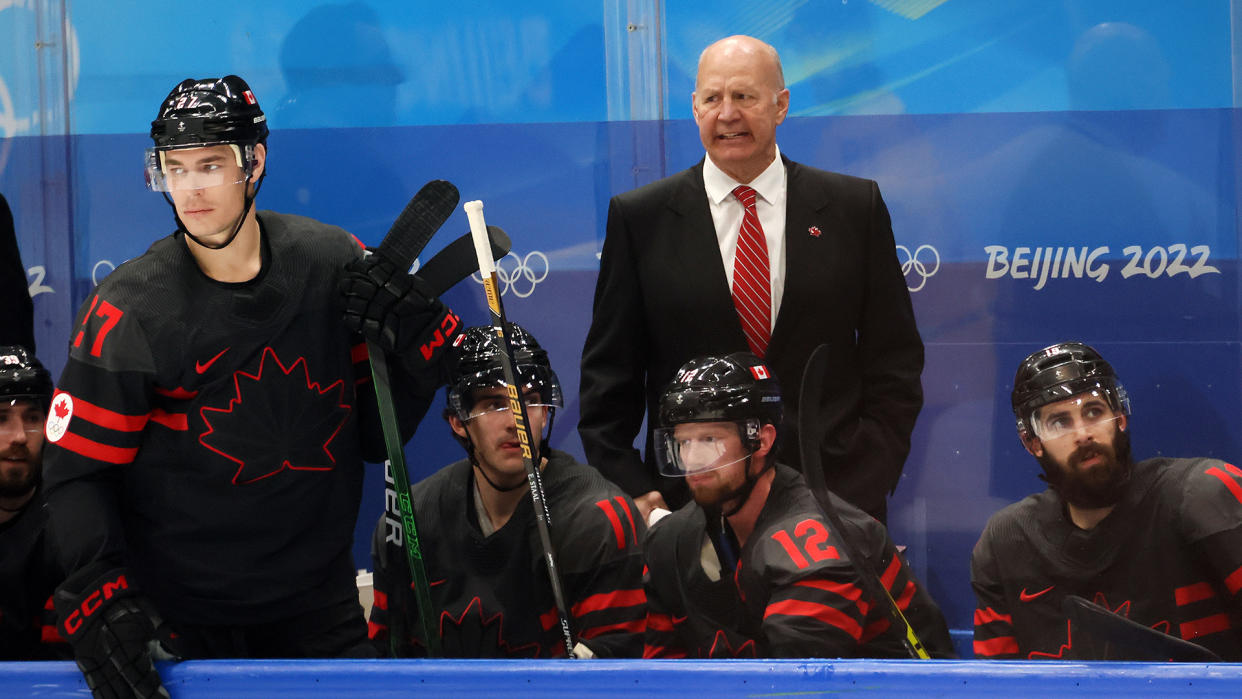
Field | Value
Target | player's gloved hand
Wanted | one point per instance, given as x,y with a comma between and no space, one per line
395,310
109,625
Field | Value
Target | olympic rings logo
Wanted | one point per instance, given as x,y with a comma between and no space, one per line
916,263
520,276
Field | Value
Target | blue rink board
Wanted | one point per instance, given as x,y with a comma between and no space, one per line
647,678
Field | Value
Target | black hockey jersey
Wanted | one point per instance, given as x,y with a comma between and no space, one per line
1169,556
28,575
793,592
491,594
210,436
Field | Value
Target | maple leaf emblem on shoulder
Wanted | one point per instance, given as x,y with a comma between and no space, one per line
277,419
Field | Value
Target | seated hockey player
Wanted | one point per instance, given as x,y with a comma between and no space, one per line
204,463
1158,542
750,568
490,590
28,570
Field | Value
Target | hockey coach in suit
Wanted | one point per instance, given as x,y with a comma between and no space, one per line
674,283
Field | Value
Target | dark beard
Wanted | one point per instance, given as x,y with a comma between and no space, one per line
1103,485
20,485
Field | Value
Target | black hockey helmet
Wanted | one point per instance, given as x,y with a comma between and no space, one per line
738,388
200,113
479,367
209,112
722,389
22,376
1059,372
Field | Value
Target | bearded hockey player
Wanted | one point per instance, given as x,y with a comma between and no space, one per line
1158,542
28,570
489,586
750,567
205,446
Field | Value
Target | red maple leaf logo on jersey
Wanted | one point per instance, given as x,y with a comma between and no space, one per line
472,634
1122,609
722,647
61,409
277,419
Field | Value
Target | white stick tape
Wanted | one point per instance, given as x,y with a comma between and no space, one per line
478,232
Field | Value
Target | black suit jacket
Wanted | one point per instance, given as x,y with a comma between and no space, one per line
662,298
16,308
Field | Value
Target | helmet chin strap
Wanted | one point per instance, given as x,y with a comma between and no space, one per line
743,493
236,229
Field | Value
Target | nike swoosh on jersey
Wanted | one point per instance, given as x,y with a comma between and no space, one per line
1028,596
201,367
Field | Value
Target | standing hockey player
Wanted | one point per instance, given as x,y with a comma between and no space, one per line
28,571
749,568
489,586
1158,541
205,446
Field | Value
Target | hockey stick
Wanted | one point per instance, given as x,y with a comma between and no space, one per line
448,267
420,219
811,434
458,261
487,269
1133,636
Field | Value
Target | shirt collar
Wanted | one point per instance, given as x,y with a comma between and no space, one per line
767,185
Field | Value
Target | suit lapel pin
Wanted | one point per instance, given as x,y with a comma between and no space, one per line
814,231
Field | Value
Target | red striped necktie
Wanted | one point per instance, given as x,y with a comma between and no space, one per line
752,291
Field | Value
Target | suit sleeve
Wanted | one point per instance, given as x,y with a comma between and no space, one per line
615,364
16,308
604,578
890,353
994,631
99,415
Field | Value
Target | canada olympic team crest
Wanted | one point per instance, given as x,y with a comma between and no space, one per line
58,417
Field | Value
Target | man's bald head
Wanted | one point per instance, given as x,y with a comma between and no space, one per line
739,99
748,44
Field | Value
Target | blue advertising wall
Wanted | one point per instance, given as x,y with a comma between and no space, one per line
1054,170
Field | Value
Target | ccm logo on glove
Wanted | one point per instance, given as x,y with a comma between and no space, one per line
448,326
92,603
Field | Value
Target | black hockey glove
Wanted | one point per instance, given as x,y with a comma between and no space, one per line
396,311
109,625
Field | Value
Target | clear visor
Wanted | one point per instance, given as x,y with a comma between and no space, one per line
489,394
699,447
194,168
494,406
1086,412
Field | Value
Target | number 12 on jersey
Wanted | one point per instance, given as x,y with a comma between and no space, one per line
811,535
